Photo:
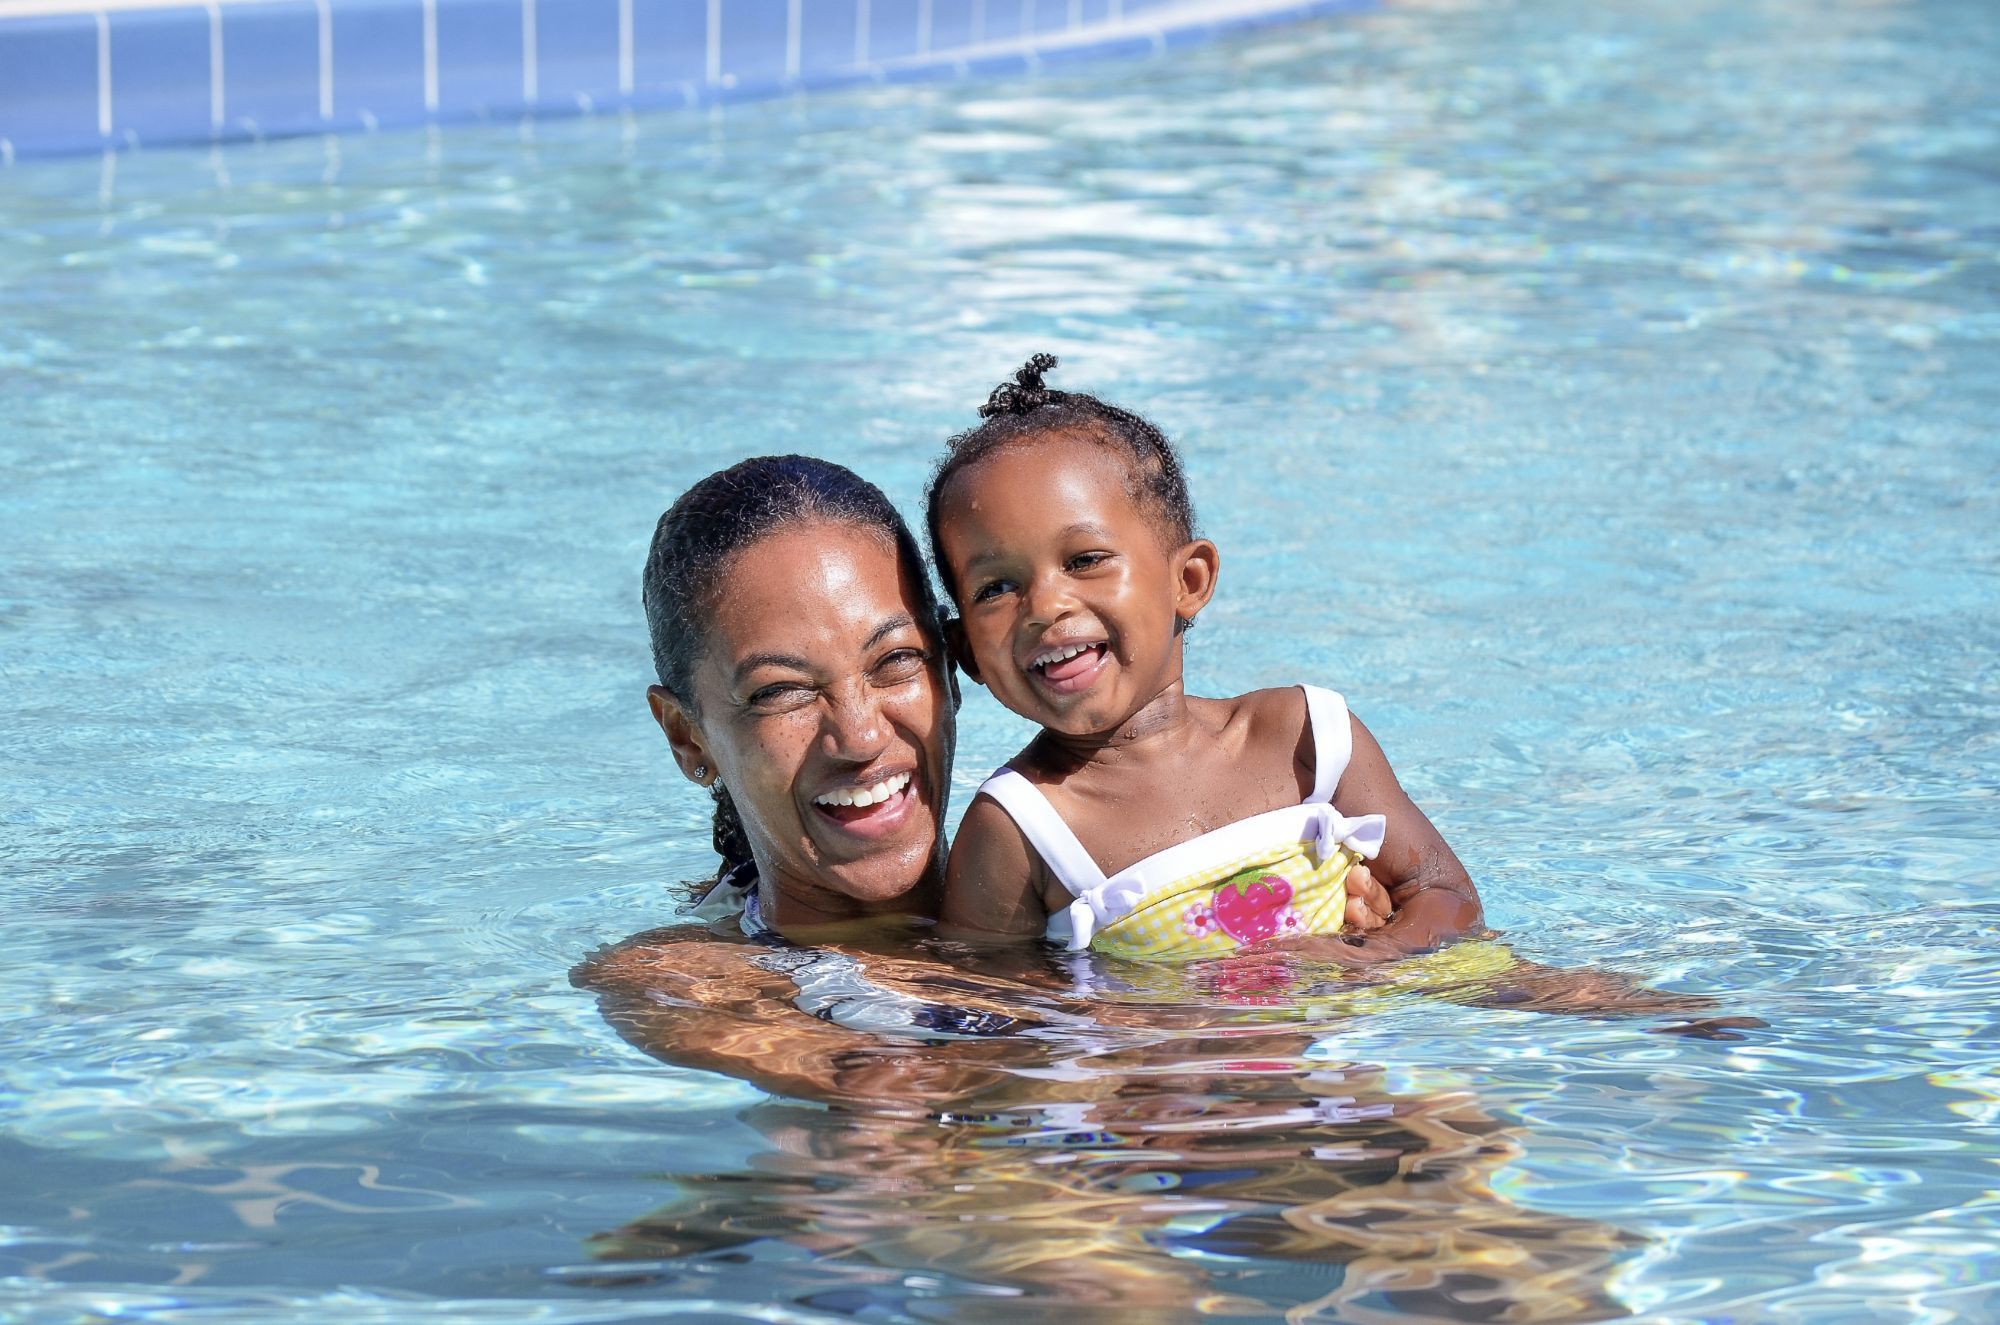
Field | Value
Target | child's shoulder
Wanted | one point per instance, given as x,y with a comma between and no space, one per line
1286,718
1279,713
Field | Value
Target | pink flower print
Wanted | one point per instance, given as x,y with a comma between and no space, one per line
1198,919
1291,922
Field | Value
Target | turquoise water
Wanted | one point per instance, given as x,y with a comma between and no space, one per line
1604,401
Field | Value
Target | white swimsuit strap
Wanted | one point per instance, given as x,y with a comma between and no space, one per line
1045,830
1333,741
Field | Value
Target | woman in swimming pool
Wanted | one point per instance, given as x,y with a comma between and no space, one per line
802,682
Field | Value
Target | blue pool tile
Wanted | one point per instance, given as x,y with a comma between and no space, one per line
998,20
270,65
1096,11
670,44
951,24
48,83
1051,15
892,29
826,36
753,40
479,57
160,75
576,50
378,63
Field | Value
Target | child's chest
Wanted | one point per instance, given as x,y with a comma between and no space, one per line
1124,824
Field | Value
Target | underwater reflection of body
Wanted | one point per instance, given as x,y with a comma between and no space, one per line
1020,1144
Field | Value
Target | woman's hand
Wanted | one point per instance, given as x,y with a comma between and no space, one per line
1368,905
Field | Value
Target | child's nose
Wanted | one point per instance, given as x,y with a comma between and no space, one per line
1050,598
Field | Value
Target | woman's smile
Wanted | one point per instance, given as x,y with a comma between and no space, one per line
870,810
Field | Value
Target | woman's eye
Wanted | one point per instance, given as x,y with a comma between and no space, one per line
902,665
785,694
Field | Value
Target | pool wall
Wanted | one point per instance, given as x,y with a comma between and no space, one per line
78,78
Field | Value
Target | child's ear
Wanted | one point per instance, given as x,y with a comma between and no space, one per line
689,751
961,649
1195,566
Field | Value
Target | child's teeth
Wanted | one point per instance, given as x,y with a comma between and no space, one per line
1063,654
865,796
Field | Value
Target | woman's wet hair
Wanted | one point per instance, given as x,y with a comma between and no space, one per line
1025,408
711,523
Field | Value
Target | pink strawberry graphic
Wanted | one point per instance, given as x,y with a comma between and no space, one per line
1251,909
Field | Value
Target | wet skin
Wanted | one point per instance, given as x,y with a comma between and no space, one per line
819,681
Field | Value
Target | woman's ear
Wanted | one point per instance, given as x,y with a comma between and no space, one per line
1196,566
682,734
960,648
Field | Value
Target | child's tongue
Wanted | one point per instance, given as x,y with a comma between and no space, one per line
1070,668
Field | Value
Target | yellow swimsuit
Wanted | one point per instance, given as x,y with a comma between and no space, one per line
1269,876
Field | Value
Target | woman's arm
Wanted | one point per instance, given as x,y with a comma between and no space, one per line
692,999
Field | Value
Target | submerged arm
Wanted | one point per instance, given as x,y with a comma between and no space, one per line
694,1000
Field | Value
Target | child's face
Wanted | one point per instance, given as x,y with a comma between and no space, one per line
1068,590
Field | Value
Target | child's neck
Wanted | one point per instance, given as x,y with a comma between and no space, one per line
1162,727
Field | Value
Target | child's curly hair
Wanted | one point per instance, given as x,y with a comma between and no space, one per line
1025,408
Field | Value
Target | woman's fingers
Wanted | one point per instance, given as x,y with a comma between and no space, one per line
1368,905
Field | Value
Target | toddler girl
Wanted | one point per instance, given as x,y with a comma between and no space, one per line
1143,821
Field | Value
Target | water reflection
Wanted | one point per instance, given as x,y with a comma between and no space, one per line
1106,1150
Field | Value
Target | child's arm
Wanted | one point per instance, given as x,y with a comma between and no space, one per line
1434,897
993,882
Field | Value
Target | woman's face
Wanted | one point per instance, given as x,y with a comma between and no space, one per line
821,705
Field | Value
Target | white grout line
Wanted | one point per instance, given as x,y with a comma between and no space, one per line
792,24
6,152
1027,19
923,27
215,101
625,47
103,74
714,41
1075,14
325,59
531,74
430,55
861,31
1116,14
978,21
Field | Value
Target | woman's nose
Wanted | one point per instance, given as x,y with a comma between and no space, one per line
856,728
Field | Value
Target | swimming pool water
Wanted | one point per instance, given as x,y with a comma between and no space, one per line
1603,398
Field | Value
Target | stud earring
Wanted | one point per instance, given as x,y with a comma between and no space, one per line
700,772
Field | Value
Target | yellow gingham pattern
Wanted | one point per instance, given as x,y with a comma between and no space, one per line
1157,927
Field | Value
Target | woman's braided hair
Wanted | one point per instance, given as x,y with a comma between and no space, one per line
1025,408
718,518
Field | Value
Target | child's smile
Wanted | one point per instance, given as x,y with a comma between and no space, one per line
1068,590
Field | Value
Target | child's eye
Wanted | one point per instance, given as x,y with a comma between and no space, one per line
1085,560
991,589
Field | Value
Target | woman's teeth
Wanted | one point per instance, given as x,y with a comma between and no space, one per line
1054,656
862,796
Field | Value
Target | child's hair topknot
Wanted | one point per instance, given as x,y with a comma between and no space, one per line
1026,407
